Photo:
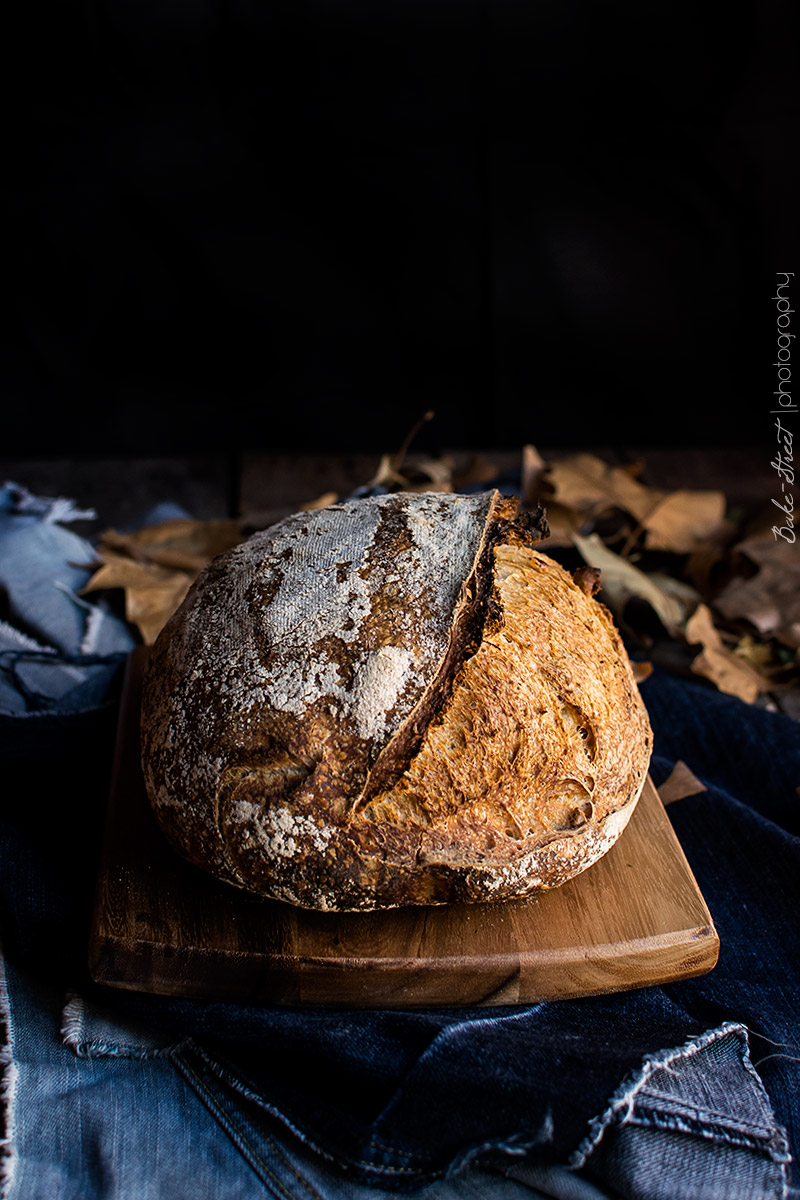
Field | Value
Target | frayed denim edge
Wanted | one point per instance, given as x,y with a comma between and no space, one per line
95,619
74,1037
623,1099
8,1090
50,509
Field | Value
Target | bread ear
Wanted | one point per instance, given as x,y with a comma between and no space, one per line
505,522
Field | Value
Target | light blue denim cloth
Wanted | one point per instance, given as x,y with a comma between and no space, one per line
59,652
102,1109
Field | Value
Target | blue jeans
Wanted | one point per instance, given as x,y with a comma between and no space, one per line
690,1090
101,1107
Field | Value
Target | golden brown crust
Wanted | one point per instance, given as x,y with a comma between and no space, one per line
462,724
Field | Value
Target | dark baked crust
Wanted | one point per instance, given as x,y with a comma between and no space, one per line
393,701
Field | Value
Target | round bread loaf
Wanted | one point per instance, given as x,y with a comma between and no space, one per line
393,701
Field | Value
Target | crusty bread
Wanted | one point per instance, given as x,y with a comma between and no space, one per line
393,701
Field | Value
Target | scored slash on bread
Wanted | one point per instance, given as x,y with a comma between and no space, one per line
390,701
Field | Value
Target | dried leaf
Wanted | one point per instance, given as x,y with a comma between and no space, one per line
731,673
770,599
684,520
590,486
389,474
680,783
687,596
152,592
430,475
386,475
677,521
437,475
116,571
149,608
156,566
620,580
181,543
704,562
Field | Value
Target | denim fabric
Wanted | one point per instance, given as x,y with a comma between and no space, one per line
693,1086
100,1108
694,1122
58,651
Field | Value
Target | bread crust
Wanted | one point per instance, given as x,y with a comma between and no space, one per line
393,701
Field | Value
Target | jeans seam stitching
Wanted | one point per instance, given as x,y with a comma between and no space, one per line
305,1183
232,1080
732,1136
233,1128
228,1077
622,1101
693,1112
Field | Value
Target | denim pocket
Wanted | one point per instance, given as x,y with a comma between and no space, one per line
692,1123
695,1123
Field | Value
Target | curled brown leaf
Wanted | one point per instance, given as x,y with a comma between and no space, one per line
729,671
769,599
677,521
620,580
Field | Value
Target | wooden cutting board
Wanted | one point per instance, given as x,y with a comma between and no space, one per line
160,925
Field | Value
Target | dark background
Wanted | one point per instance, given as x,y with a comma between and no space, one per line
298,224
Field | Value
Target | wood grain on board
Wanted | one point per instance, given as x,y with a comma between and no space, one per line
634,919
